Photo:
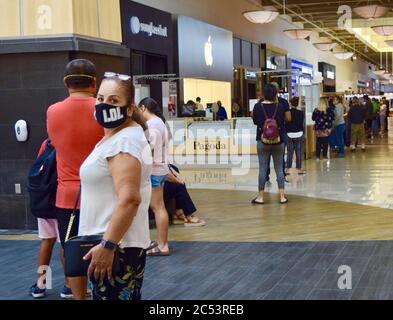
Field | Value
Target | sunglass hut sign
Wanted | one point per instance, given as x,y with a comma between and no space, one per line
150,28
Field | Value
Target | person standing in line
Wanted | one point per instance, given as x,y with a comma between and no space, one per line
116,194
357,118
270,109
295,132
158,138
369,116
375,122
48,234
339,125
323,116
383,112
73,132
288,119
199,105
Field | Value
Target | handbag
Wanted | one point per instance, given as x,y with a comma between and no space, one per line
323,133
76,248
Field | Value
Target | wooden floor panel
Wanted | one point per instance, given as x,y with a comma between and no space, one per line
231,217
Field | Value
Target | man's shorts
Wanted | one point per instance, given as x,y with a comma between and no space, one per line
47,229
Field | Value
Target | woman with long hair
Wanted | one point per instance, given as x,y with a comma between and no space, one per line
158,139
323,117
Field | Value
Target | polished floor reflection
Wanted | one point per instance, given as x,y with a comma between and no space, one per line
361,178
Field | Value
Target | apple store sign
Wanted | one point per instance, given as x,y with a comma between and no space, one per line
205,51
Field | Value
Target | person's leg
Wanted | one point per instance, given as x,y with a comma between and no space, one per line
161,217
277,152
128,280
78,285
340,139
264,162
354,135
299,153
333,139
184,201
362,137
325,147
318,148
291,150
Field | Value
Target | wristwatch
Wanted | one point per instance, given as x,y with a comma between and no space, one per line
109,245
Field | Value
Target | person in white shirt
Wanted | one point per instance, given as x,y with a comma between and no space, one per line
115,182
199,105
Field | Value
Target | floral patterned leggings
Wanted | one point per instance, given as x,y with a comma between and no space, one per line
127,283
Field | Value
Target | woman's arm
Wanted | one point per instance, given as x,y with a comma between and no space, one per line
126,174
288,116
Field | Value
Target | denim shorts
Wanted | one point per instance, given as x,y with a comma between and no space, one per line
158,181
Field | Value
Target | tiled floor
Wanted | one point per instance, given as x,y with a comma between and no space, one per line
234,271
362,178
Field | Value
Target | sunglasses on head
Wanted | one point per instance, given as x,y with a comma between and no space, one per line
123,77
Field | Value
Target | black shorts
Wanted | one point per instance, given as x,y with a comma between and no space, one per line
63,220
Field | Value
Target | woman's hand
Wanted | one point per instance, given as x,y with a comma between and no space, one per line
101,262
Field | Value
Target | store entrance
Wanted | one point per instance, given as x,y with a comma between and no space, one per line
145,63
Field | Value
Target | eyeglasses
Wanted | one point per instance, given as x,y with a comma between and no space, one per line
123,77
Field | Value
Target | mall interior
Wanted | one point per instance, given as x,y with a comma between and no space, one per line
333,240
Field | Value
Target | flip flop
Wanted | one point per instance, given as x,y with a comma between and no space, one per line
284,202
156,252
256,202
153,244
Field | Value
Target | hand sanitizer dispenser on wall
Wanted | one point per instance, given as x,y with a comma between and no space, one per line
21,131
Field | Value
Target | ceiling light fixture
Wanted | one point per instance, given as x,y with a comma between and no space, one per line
325,46
385,30
263,16
344,55
371,11
298,34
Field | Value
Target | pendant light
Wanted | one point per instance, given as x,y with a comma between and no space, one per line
383,30
325,46
343,55
263,16
298,34
371,11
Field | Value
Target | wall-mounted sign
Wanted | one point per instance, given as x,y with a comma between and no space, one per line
149,28
146,29
252,75
330,75
304,77
205,51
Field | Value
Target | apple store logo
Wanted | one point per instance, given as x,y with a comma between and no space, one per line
209,52
135,25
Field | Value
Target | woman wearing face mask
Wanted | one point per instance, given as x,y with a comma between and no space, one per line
116,192
158,138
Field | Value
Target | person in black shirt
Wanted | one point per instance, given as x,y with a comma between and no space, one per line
295,132
357,117
269,107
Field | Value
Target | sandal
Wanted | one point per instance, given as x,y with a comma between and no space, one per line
257,202
156,252
285,201
194,221
153,244
178,219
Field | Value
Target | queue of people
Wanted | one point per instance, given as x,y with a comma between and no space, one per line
112,166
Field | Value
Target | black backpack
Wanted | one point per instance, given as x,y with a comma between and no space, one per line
42,184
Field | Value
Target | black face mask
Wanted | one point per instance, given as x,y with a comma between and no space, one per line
109,116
